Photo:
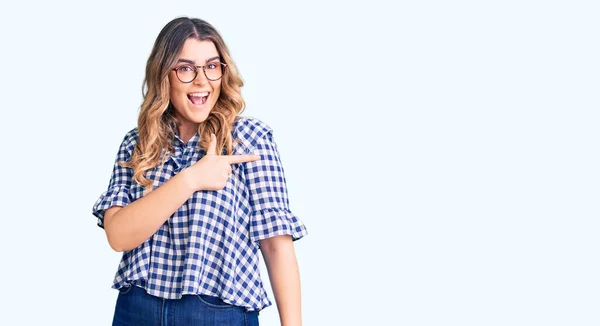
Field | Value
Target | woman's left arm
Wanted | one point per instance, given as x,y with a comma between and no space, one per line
282,266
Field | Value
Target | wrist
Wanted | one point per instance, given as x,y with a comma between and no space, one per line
189,182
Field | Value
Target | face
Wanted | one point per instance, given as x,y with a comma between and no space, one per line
193,101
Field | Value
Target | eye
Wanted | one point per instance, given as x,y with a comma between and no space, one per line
212,65
185,68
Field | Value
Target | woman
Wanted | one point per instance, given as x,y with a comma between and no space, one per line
188,203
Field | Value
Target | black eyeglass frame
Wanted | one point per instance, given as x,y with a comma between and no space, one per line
196,71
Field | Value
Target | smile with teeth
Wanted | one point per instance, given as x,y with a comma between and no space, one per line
198,98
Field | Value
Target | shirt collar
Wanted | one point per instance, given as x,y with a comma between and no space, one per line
178,142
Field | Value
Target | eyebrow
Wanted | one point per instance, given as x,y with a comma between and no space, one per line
193,63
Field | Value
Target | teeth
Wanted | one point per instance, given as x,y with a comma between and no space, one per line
201,94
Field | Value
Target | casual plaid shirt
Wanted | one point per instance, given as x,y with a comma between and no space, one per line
210,244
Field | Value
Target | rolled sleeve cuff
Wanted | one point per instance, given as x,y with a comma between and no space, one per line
116,196
268,223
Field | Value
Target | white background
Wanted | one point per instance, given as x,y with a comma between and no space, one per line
443,155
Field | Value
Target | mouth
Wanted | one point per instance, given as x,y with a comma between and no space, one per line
199,98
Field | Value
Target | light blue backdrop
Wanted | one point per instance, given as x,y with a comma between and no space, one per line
443,155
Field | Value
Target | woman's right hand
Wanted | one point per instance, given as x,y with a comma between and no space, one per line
212,171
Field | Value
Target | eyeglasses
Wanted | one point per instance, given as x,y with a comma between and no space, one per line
187,73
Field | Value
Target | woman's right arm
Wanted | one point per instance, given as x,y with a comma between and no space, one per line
128,227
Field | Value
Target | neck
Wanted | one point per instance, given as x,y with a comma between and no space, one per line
187,131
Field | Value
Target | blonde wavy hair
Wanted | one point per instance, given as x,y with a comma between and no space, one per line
157,119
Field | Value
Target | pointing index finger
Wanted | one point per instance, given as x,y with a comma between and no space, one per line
234,159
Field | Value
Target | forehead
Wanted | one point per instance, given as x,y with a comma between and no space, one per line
198,51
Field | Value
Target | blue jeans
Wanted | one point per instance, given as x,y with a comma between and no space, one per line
136,307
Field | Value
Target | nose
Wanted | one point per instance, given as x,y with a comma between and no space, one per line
200,77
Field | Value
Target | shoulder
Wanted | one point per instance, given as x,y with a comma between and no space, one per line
248,131
250,127
131,137
129,142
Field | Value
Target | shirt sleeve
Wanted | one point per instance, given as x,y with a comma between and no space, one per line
121,178
266,182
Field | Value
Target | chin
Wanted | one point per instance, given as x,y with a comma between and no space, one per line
198,117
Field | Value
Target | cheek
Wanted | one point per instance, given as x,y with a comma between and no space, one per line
175,87
216,86
177,94
178,98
